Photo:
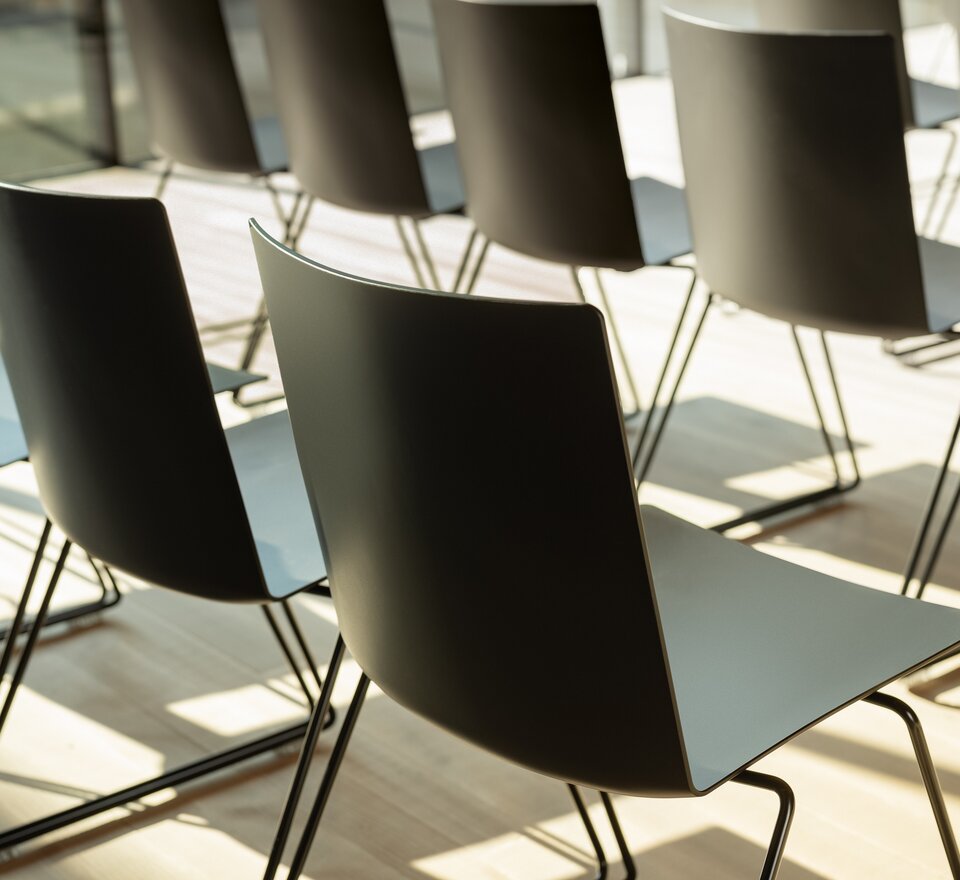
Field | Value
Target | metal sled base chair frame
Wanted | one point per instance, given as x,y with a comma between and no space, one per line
691,324
334,762
14,837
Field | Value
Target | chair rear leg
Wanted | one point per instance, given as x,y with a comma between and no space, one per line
927,771
464,260
628,863
591,830
771,864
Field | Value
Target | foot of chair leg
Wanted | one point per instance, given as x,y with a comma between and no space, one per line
771,864
927,771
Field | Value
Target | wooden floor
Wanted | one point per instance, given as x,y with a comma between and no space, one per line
163,678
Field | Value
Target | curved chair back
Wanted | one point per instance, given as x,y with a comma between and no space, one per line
113,393
796,175
537,136
469,579
845,15
341,104
185,71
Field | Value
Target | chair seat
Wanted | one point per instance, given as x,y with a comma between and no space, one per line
228,379
760,649
932,104
940,268
662,220
268,472
271,147
442,179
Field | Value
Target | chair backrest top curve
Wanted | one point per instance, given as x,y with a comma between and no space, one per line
528,87
476,506
114,395
796,175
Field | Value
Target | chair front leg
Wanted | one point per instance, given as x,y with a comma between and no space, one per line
771,865
927,771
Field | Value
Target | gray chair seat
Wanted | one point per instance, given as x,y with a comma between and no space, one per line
824,642
662,220
442,179
932,104
268,472
940,267
271,148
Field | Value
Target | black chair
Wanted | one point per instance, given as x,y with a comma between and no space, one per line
466,575
345,120
132,463
529,90
797,226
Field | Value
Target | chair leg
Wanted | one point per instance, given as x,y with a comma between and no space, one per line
591,830
477,267
628,863
164,178
771,864
425,254
927,523
641,462
840,486
615,336
410,254
464,260
176,777
329,778
927,771
27,652
939,185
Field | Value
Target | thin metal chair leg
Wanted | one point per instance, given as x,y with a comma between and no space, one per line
425,254
295,628
477,267
17,625
771,864
934,556
288,653
286,218
299,226
927,771
644,467
329,778
941,181
618,339
31,641
591,831
408,250
839,487
164,179
925,525
628,862
668,360
303,764
464,260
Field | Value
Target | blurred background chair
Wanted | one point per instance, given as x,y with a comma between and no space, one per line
347,126
529,91
811,222
714,654
172,498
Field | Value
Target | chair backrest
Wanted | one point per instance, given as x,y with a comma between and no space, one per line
189,85
341,104
796,175
529,90
113,393
473,493
844,15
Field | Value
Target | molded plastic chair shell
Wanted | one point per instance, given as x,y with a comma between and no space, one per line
797,178
342,105
131,461
189,84
529,92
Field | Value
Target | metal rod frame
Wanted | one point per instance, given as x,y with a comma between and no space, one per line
926,526
643,458
778,841
13,837
927,772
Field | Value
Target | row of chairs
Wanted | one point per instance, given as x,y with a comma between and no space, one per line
384,455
